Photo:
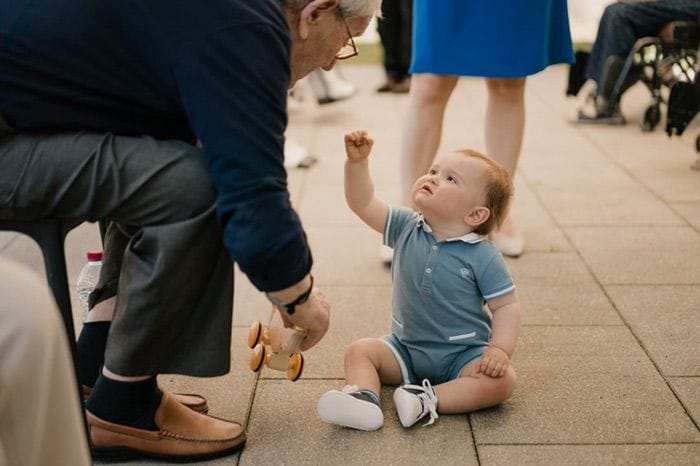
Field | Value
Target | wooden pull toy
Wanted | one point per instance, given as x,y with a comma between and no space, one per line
277,347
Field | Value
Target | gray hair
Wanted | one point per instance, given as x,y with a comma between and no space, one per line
348,8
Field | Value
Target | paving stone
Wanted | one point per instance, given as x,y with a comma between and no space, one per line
557,289
347,256
689,211
584,385
640,255
575,455
665,320
688,390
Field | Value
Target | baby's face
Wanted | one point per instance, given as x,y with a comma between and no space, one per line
451,189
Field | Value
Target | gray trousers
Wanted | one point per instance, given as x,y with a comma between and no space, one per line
164,257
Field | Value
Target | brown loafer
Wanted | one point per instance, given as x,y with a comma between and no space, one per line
183,435
194,402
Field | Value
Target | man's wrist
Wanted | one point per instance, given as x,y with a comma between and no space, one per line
296,295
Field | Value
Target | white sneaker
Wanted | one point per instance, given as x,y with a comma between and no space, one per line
413,402
386,254
343,409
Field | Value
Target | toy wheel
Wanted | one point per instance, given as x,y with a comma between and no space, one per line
255,334
296,366
258,358
652,116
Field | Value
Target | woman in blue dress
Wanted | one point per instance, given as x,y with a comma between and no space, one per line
501,40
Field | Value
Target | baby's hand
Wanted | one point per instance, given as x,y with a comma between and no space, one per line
494,362
358,145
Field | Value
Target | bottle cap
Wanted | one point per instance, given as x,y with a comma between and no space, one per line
94,256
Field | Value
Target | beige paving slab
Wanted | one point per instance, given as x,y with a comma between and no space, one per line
347,256
538,227
584,385
690,211
658,162
688,390
557,289
573,455
640,255
285,430
327,206
665,320
249,304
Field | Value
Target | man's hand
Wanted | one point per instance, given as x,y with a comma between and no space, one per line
358,145
494,362
313,316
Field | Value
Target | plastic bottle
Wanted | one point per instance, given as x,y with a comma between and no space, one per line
87,280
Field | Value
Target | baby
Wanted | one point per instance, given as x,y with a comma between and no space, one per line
448,351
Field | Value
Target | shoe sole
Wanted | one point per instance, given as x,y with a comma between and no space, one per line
345,410
115,454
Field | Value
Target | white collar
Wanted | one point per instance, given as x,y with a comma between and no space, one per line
471,237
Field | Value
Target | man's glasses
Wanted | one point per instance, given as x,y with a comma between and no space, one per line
349,49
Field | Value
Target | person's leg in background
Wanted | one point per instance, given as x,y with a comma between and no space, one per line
620,26
505,124
395,32
40,419
329,86
422,128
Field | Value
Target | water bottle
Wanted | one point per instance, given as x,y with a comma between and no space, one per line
87,280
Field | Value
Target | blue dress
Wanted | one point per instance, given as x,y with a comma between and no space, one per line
490,38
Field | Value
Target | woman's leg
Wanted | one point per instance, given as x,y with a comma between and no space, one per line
423,127
505,124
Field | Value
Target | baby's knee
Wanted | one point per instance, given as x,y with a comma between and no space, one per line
359,349
506,384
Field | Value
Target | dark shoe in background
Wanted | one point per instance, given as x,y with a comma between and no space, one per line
387,86
401,86
577,73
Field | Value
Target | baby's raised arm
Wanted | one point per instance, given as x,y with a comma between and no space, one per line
359,189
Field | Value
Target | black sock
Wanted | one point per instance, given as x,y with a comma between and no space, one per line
132,404
91,351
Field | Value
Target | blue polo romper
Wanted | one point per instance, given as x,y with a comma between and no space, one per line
439,321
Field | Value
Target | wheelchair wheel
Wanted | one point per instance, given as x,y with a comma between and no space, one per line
255,334
258,358
652,116
296,366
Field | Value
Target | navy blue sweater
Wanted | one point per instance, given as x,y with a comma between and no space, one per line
213,70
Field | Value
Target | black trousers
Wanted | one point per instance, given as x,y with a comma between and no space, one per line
395,31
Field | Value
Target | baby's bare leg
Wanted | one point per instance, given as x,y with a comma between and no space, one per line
472,391
369,362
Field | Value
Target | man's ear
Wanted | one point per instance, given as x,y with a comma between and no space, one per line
311,12
477,216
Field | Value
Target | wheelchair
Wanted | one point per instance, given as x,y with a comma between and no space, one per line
666,60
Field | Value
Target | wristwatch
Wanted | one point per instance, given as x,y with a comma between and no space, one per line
290,307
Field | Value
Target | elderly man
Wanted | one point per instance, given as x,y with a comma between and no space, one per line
167,119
